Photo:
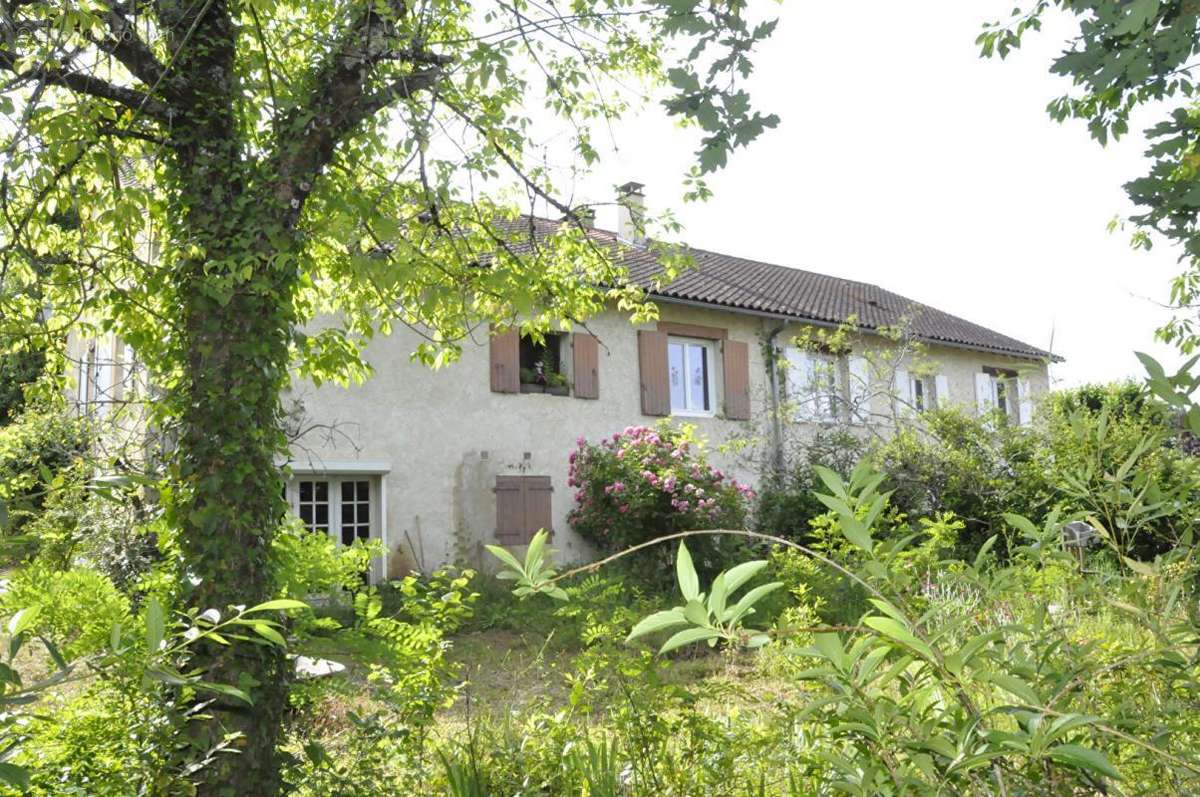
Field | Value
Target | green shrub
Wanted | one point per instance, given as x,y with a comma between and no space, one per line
35,449
307,563
76,608
786,502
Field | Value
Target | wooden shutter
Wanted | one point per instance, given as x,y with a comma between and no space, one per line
1025,402
522,508
941,391
586,365
505,357
985,399
736,364
860,389
652,365
537,505
510,510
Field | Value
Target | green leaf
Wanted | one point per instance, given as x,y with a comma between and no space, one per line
506,557
1084,758
1015,686
687,636
279,604
892,629
155,625
738,575
533,554
657,622
23,620
270,634
746,604
716,599
13,775
685,572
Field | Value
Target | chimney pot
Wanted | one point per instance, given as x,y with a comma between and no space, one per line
631,212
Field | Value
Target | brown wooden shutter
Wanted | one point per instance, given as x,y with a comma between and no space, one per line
586,366
522,508
510,510
737,380
537,505
652,365
505,351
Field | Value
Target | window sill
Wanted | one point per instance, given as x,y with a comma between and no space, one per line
555,390
693,414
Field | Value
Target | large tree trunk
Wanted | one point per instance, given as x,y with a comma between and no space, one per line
236,293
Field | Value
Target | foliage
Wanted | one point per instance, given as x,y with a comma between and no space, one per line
646,482
409,673
74,609
719,618
308,563
18,370
974,468
786,503
35,450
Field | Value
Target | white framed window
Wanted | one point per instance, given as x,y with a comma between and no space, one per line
815,385
1003,389
924,395
342,507
691,376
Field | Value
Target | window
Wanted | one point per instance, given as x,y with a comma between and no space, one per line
999,390
924,394
313,505
356,511
541,363
338,507
824,388
522,508
690,376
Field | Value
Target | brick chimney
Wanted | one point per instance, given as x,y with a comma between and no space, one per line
631,212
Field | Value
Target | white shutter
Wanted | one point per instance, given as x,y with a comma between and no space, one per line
104,374
903,389
1025,402
860,384
985,397
941,391
800,377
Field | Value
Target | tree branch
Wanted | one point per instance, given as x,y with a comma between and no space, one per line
82,83
305,145
126,46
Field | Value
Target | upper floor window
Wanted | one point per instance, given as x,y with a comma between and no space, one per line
541,364
924,396
690,376
815,384
1001,389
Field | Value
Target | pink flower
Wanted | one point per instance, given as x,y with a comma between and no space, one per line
572,457
579,441
623,509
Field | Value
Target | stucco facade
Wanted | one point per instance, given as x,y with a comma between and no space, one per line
432,443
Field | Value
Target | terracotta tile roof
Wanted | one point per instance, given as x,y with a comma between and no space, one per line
736,283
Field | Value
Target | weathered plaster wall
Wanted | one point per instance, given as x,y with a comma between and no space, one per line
446,436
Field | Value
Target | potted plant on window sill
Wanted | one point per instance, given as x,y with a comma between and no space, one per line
539,379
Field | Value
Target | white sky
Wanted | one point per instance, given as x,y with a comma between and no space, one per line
905,160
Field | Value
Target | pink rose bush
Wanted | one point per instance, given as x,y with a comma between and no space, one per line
645,482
